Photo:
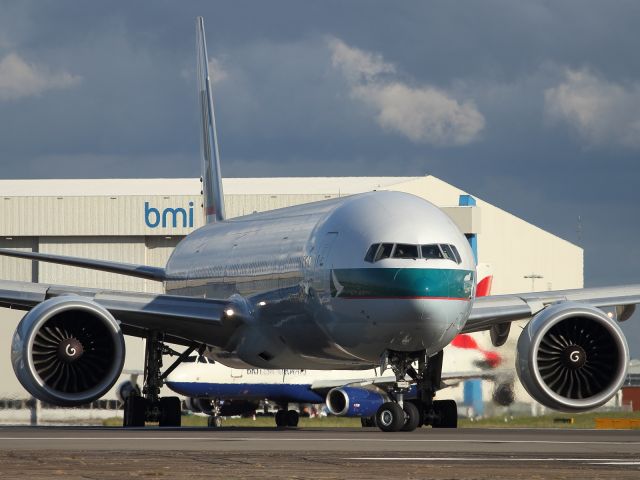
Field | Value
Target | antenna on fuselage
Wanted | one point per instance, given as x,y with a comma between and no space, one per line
211,176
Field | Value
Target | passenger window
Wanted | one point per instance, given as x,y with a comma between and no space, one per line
371,253
384,251
405,251
456,253
431,251
448,253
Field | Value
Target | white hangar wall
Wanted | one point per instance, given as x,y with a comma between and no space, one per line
141,221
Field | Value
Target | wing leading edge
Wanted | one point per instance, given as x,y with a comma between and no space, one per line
500,309
129,269
184,320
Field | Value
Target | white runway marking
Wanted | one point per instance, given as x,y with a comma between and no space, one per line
592,461
318,439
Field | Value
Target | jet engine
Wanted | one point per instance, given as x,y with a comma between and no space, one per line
354,402
572,357
68,351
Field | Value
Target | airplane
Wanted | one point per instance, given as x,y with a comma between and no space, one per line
371,280
219,391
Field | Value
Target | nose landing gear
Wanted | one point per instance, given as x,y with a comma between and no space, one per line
406,415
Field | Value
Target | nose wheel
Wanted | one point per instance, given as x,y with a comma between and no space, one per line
406,415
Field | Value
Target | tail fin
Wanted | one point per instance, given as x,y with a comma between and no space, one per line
211,176
485,279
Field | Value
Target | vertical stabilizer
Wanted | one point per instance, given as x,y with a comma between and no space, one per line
211,177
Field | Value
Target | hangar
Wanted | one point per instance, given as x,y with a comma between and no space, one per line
141,220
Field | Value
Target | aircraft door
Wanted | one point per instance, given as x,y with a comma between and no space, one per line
322,270
325,249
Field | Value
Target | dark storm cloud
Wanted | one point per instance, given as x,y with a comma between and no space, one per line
108,90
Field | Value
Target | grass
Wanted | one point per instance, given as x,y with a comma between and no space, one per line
580,420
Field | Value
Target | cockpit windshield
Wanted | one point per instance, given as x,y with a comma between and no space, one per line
442,251
431,251
403,250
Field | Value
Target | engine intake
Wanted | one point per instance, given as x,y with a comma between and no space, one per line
572,357
68,351
354,401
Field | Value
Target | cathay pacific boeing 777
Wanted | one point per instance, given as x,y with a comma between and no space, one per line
371,280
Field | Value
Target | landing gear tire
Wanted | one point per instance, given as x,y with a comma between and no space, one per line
368,422
390,417
281,418
446,414
292,418
412,417
214,421
135,408
170,412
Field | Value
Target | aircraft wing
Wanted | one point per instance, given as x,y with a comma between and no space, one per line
503,309
184,320
129,269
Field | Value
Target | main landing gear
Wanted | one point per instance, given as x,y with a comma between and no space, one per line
407,415
150,407
287,418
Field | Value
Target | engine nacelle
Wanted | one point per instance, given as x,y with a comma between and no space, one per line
572,357
68,351
354,402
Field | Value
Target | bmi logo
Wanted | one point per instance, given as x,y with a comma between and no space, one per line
168,217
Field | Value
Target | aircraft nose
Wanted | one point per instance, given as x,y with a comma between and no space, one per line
424,323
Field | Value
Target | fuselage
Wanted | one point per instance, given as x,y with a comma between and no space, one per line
332,284
213,380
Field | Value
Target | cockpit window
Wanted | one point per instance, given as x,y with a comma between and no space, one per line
431,251
371,253
456,253
448,253
384,251
403,250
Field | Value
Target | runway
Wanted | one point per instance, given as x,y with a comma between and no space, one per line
43,452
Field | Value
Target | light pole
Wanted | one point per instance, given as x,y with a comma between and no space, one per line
533,277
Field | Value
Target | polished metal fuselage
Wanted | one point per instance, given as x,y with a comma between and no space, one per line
283,272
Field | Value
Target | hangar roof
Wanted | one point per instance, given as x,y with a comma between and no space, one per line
187,186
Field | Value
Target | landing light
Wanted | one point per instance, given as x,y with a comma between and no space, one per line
229,312
262,304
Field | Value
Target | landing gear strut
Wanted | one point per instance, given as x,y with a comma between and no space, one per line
407,415
150,407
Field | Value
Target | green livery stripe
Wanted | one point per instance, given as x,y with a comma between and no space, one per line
402,283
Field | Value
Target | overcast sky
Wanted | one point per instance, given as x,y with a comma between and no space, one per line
531,106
